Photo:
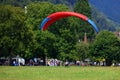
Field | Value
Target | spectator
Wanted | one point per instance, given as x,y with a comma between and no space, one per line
66,63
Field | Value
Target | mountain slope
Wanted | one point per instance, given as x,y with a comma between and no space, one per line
110,8
102,21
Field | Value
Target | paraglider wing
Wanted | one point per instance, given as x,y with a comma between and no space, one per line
58,15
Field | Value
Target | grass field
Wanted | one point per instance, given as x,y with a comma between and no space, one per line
59,73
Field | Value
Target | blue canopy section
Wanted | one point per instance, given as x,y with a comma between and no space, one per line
44,22
93,24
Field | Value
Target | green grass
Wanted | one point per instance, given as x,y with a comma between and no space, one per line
59,73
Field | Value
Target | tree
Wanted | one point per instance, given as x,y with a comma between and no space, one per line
106,46
44,45
15,36
36,12
83,51
82,6
65,40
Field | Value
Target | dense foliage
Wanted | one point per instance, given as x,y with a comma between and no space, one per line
106,46
20,34
15,36
82,6
64,40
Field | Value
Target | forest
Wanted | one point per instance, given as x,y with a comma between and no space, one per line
20,34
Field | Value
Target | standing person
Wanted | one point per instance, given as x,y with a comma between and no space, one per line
14,63
78,63
66,63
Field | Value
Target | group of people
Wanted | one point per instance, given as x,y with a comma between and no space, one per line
35,62
49,62
53,62
19,62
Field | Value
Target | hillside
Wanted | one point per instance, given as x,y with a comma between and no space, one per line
102,21
22,3
110,8
105,15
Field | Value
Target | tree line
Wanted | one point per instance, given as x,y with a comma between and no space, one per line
20,34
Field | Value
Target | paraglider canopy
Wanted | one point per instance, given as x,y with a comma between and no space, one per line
58,15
